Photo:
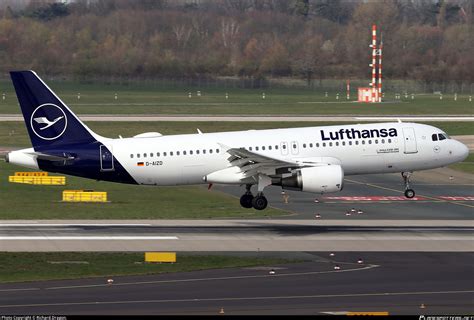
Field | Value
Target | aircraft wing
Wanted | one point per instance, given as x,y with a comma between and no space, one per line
252,163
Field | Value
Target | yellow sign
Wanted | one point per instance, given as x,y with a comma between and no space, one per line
42,180
84,196
160,257
31,174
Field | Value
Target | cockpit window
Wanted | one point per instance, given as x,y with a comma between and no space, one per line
434,137
441,136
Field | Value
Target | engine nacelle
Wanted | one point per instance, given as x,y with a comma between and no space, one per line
322,179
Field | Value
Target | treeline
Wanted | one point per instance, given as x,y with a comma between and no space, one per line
423,40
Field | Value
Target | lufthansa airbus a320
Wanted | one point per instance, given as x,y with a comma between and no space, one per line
312,159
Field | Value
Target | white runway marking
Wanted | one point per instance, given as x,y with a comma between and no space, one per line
88,238
25,289
74,224
220,278
446,118
316,296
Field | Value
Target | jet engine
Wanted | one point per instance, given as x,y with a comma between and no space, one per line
321,179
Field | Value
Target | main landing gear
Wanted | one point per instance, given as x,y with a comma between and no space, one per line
247,200
409,193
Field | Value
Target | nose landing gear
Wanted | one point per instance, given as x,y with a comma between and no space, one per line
409,193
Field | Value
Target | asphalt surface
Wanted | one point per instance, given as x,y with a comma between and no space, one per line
398,283
433,191
372,215
239,235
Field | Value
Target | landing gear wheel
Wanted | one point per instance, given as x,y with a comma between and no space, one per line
246,200
259,202
409,193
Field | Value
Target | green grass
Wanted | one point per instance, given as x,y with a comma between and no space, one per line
146,99
21,201
465,166
13,134
27,266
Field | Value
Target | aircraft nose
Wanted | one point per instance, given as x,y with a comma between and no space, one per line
462,151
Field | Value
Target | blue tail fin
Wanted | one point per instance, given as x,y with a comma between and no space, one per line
48,120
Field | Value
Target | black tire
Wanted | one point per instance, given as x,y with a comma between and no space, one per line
246,200
259,202
409,193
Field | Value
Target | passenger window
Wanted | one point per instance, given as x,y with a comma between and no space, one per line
343,143
304,145
383,141
204,151
210,150
256,148
276,147
197,151
389,140
269,147
284,146
357,142
324,144
131,156
317,145
151,154
177,153
263,148
190,151
250,148
370,141
350,143
434,137
330,144
138,155
363,141
171,153
217,150
310,145
376,141
144,155
164,154
294,146
337,143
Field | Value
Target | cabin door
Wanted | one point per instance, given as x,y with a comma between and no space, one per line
106,159
410,140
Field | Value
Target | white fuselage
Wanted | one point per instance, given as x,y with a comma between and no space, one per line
186,159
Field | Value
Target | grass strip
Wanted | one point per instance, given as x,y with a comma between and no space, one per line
31,266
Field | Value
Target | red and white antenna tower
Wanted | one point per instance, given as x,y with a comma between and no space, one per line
374,92
380,68
373,83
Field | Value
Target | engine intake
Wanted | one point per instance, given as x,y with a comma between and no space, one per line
323,179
